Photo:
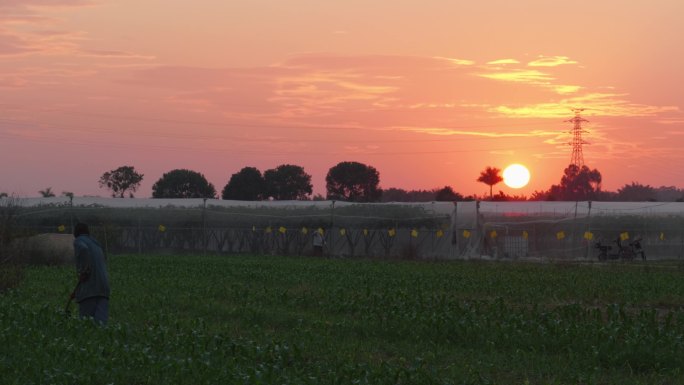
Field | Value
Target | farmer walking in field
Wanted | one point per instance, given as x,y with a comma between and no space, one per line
92,291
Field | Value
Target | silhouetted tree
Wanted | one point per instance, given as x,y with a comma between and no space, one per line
288,182
246,185
121,180
669,194
577,184
3,195
181,183
353,182
636,192
539,196
446,194
394,194
503,197
47,193
490,176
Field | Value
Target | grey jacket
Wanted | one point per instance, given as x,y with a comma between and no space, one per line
92,269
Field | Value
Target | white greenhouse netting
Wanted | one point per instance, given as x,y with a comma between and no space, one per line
419,230
445,230
570,230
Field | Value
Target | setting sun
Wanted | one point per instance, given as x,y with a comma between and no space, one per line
516,176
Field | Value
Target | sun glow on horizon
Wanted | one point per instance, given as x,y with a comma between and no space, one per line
516,176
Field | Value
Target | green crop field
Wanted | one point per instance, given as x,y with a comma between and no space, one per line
279,320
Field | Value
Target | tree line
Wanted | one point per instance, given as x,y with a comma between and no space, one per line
357,182
349,181
584,184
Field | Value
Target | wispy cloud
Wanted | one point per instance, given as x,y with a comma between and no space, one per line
30,11
12,81
672,121
11,44
566,89
29,27
114,54
525,76
458,62
24,4
503,61
551,61
600,104
445,131
390,93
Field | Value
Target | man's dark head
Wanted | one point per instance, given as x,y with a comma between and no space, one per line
81,229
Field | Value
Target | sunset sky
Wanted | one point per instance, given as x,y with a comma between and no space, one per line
428,92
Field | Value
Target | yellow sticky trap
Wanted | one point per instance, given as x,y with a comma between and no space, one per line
624,236
392,232
253,228
282,230
466,234
61,228
439,233
414,233
321,231
560,235
525,235
343,232
162,228
493,234
662,236
268,229
365,232
305,230
588,235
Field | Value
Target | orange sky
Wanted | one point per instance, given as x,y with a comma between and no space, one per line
428,92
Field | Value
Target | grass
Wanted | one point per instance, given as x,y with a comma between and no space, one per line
11,275
277,320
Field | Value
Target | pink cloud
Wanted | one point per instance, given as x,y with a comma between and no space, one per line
22,31
22,4
114,54
379,89
12,81
11,45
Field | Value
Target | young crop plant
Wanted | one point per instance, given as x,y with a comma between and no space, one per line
255,319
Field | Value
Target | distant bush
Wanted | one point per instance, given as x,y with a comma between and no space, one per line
11,271
43,249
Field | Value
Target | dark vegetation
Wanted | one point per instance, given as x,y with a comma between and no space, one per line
357,182
264,320
11,271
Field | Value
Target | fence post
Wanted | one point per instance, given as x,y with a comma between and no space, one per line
332,233
71,212
454,233
481,232
204,227
139,235
588,228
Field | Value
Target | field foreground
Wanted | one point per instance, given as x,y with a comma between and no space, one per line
277,320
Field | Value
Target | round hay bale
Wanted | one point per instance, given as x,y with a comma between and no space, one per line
44,249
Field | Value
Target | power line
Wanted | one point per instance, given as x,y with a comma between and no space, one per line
247,124
243,151
91,129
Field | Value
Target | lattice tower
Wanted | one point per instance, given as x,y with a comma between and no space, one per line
577,158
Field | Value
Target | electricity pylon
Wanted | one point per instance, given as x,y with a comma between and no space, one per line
577,158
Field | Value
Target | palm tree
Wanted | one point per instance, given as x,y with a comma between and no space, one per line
47,193
490,176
